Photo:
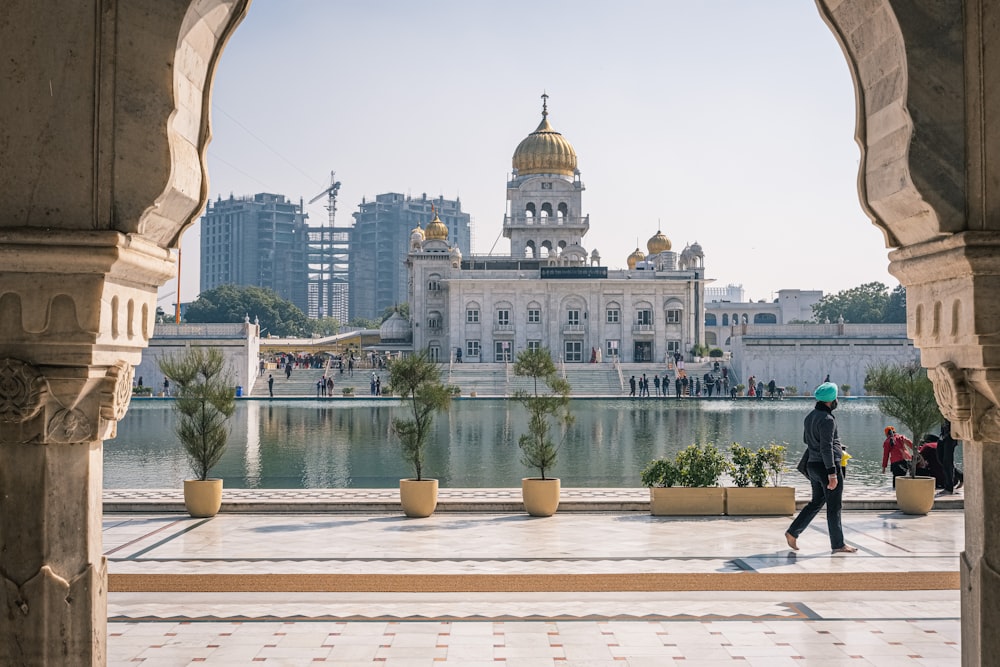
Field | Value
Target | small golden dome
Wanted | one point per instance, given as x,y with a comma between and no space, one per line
658,243
635,258
436,230
544,151
417,230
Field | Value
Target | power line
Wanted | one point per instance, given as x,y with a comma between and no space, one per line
264,144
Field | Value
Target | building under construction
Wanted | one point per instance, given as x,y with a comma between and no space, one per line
380,241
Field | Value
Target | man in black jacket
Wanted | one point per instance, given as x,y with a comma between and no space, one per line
823,467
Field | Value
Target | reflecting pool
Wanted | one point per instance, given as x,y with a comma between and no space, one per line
347,442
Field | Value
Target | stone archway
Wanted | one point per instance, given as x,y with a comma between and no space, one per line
105,114
929,132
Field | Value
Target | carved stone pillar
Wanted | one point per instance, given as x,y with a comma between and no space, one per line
953,315
68,342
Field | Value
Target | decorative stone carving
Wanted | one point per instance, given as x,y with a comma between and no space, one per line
952,392
116,391
68,426
22,391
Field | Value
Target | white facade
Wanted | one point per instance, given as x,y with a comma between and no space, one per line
802,355
726,309
550,291
240,345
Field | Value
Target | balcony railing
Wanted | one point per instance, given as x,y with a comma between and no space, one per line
643,329
503,329
577,329
546,221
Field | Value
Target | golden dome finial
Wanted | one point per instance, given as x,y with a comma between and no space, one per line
436,230
636,257
545,151
658,243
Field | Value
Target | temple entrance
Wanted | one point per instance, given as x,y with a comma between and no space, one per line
642,351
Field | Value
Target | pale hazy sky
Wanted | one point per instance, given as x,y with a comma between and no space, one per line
726,122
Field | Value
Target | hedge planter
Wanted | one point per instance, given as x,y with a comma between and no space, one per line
687,501
760,501
915,495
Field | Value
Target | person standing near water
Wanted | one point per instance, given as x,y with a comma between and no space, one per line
824,454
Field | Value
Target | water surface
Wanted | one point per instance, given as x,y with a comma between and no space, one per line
342,443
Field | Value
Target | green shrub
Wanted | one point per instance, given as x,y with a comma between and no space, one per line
700,466
716,353
660,472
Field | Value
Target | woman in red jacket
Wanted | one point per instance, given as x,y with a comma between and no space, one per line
896,453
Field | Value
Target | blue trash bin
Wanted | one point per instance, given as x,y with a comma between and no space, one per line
239,391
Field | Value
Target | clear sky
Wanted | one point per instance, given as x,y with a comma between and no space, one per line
726,122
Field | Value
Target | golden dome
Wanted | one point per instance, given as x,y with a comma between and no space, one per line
658,243
544,151
417,230
436,230
634,258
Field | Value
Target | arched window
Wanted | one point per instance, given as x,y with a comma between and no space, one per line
545,250
725,319
710,319
765,318
529,210
562,212
529,250
546,210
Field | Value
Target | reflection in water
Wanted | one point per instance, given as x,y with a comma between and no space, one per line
348,443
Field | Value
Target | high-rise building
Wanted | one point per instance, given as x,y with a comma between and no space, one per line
380,242
256,241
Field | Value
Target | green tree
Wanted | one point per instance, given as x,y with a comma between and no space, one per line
545,411
418,381
402,308
231,303
895,309
871,303
365,323
905,393
324,326
204,403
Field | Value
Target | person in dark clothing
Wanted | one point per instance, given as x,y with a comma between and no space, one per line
631,386
678,385
270,385
823,456
656,384
946,456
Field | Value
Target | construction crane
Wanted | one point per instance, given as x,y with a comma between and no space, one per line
331,193
326,268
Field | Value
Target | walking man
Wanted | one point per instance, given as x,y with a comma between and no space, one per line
823,456
631,386
270,385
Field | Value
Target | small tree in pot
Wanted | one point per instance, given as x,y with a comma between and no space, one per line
906,394
547,412
418,381
204,401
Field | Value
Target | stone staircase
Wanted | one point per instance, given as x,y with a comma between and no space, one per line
485,379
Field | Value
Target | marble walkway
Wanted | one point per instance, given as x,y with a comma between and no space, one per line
583,588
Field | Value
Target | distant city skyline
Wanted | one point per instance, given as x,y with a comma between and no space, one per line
722,122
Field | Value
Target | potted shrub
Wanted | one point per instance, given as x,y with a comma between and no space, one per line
906,394
204,400
347,391
845,390
689,484
547,412
740,388
751,472
418,381
454,390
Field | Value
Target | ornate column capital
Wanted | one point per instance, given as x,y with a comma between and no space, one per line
953,316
